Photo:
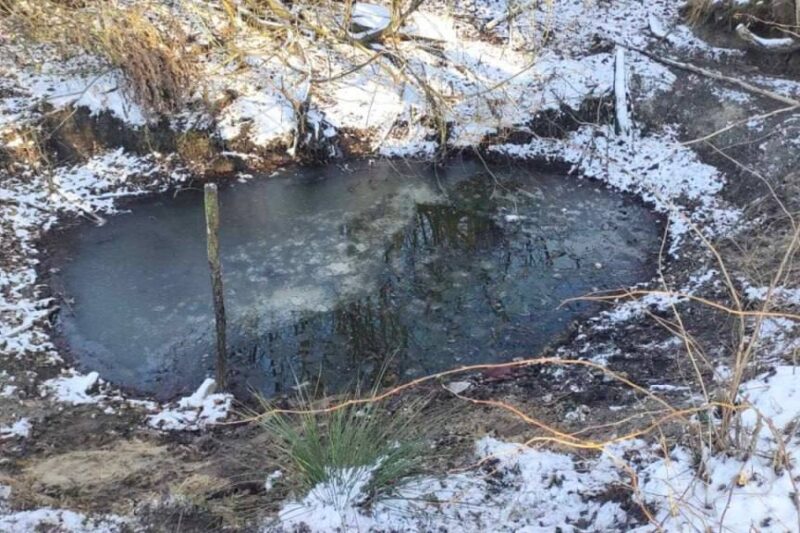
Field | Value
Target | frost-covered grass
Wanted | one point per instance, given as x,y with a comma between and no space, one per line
626,485
516,489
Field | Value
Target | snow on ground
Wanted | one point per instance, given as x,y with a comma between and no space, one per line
659,300
20,428
372,17
79,81
519,490
783,295
481,86
544,59
749,491
262,112
33,202
530,489
778,340
54,520
203,408
73,388
36,201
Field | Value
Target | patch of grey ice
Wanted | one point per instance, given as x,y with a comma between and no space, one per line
654,167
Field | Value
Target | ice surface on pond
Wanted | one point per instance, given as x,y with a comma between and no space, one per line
337,274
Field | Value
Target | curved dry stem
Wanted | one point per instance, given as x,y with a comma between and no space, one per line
640,293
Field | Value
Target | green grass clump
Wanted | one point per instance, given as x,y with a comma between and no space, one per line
345,446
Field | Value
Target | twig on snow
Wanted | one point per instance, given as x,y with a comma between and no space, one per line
512,13
716,76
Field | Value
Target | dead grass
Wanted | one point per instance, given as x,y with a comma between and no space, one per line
316,30
154,55
755,250
22,147
778,13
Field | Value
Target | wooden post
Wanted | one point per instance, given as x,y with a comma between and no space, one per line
212,236
622,124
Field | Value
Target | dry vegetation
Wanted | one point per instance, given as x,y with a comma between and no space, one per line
159,60
166,52
713,425
773,17
153,53
160,65
782,12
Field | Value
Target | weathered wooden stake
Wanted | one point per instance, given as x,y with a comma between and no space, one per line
212,236
623,124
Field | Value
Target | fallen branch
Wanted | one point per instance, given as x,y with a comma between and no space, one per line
512,13
393,27
732,125
623,124
749,87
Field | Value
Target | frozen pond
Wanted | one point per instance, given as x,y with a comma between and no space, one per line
334,275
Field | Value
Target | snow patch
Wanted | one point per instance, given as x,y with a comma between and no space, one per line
81,81
269,483
203,408
372,16
523,488
60,520
74,388
21,428
735,493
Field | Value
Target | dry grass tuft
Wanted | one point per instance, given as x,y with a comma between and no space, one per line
155,60
777,13
152,52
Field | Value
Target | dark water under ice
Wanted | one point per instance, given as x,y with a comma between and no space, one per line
334,275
